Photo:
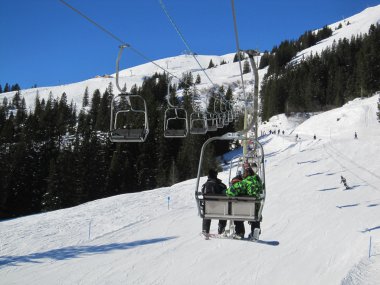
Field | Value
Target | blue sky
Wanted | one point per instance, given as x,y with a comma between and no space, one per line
45,43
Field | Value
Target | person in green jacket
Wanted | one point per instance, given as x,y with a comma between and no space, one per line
251,185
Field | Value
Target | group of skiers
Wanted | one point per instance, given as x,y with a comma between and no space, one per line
247,184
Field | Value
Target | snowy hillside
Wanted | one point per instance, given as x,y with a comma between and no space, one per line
352,26
221,74
323,231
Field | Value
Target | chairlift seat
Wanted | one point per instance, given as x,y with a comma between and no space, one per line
128,135
171,130
175,133
230,117
122,105
198,126
240,208
198,131
212,128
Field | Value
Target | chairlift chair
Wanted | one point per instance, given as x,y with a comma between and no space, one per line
212,122
219,121
128,124
230,113
129,114
198,123
175,119
230,116
226,121
220,207
175,123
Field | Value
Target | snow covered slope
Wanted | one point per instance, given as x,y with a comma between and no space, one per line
323,231
358,24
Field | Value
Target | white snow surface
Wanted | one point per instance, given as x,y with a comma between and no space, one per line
323,230
355,25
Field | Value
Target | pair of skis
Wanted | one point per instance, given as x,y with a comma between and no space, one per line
252,237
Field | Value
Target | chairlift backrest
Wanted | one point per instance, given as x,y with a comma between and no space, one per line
219,121
175,123
212,122
128,123
175,119
198,123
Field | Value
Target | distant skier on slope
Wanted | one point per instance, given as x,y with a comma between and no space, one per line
356,135
343,180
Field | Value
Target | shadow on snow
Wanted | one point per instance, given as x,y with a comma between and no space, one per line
371,229
348,206
76,251
328,189
313,174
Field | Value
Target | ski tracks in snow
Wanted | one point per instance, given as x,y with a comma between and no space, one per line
346,163
366,272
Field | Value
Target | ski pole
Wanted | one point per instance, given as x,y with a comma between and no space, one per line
168,201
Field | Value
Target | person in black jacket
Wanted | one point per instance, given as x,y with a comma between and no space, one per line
213,185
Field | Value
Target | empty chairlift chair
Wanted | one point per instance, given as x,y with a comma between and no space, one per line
212,122
129,123
129,114
218,116
175,123
175,120
198,123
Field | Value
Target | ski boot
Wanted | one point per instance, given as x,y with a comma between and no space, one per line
255,234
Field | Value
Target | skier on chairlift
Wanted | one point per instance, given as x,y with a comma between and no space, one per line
213,185
250,185
239,225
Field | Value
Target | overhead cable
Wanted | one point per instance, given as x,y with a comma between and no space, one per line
183,39
118,39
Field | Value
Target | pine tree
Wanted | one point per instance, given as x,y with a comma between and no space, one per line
5,104
198,79
85,101
103,115
95,106
264,60
237,55
52,199
211,64
246,67
15,87
16,100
